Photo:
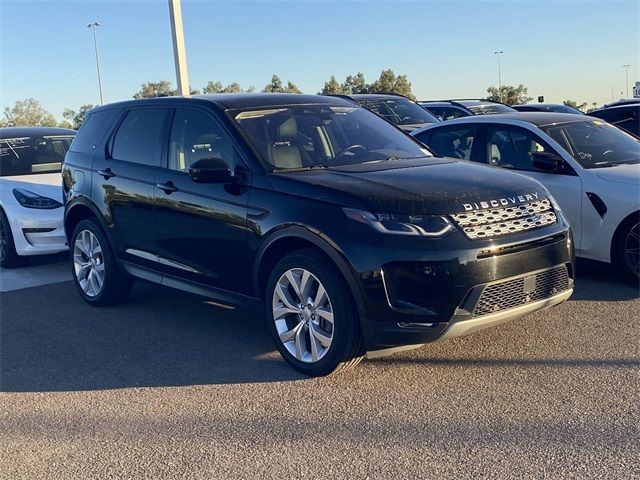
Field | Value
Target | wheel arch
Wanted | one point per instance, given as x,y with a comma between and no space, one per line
619,231
289,239
78,211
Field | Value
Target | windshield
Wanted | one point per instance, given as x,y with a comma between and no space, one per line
33,155
309,136
487,108
399,111
596,144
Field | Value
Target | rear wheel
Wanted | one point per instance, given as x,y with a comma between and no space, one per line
96,273
627,249
311,315
8,255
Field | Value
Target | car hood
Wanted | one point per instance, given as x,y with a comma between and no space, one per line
435,186
45,184
629,174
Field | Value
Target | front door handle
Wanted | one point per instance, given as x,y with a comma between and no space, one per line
167,187
106,173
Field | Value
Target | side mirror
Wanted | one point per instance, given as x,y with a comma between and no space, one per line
547,162
212,170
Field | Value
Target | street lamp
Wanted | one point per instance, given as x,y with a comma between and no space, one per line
93,26
626,73
498,53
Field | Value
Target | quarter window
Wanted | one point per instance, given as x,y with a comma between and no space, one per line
139,138
454,143
196,135
92,130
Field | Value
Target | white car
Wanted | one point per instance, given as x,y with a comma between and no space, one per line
31,213
590,167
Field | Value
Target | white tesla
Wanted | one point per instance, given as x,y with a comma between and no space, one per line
591,168
31,213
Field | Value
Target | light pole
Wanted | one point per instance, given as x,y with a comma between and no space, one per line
498,53
93,26
179,51
626,77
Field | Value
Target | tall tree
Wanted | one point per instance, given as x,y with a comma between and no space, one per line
388,82
73,119
332,87
574,104
509,94
355,84
159,89
28,113
276,86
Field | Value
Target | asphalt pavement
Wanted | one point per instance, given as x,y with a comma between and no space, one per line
170,385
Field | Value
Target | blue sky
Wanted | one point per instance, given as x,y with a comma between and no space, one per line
559,49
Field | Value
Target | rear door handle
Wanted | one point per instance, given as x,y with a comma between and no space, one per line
167,187
106,173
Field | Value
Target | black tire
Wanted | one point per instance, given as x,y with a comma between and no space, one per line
627,237
9,258
116,285
347,347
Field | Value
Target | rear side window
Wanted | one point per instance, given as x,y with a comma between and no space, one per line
139,137
455,142
92,130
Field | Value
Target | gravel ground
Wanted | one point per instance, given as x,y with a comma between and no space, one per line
171,386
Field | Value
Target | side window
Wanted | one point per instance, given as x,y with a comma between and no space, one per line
453,142
92,130
513,148
196,135
139,137
451,113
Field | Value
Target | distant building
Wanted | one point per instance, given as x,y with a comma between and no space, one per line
636,90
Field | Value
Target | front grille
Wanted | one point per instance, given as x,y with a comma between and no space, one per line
522,290
503,221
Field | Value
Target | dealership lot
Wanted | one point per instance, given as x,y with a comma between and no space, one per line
171,385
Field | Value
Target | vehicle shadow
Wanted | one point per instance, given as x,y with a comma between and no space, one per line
597,281
160,337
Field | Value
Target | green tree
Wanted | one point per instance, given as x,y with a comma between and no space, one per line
73,119
388,82
155,89
276,86
332,87
355,84
213,87
159,89
509,94
28,113
574,104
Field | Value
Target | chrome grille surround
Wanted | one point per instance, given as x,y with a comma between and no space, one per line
496,222
512,293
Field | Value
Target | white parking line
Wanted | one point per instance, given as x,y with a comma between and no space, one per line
34,275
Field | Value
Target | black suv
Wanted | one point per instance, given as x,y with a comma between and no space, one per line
624,114
353,237
450,109
397,109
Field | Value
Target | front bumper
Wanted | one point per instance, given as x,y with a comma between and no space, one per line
421,295
35,231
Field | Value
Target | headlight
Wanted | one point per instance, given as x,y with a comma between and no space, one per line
32,200
402,224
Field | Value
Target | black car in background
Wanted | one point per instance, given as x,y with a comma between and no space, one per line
349,233
396,109
547,107
450,109
625,115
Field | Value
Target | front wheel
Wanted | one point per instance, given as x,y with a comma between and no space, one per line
627,255
312,316
97,276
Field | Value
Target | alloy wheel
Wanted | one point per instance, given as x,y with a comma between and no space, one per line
303,315
88,263
632,249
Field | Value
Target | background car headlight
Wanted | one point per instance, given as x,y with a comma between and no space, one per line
402,224
32,200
